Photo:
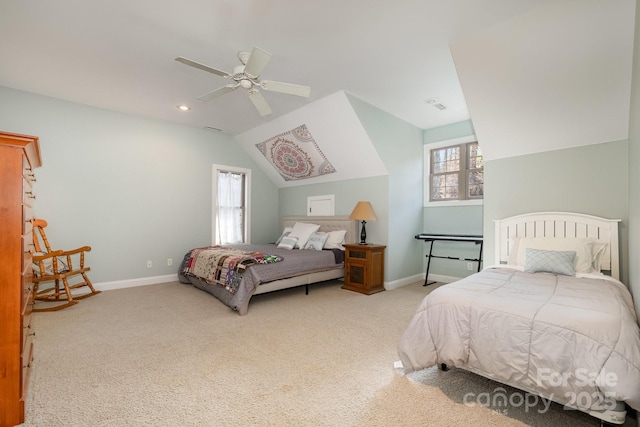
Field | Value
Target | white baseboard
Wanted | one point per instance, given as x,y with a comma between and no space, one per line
395,284
130,283
153,280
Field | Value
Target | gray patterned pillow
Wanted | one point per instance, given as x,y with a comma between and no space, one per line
558,262
316,241
288,242
285,233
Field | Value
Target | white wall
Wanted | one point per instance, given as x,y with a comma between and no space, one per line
336,131
557,76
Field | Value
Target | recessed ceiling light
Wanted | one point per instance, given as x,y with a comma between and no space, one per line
184,107
431,100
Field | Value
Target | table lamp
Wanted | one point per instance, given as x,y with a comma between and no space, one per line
363,212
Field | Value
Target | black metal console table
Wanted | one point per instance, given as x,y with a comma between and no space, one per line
427,237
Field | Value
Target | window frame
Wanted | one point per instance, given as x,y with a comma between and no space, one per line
247,200
427,173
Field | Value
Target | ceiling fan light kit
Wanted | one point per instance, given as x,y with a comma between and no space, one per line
247,76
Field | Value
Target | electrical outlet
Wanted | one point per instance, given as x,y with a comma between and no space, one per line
169,262
470,266
149,264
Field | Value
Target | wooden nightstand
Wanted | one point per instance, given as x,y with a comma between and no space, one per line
364,268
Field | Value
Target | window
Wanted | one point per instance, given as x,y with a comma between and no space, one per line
231,205
453,172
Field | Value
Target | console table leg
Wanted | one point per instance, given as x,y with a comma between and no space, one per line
426,277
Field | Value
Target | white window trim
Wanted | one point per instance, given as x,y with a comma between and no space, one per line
247,201
427,173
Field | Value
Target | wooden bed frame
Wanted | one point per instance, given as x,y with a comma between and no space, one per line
560,225
327,223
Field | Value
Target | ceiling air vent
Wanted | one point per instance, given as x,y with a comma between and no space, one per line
435,103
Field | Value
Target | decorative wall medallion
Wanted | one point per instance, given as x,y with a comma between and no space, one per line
295,155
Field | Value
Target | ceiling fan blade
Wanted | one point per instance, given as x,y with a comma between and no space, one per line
216,93
288,88
257,61
261,104
201,66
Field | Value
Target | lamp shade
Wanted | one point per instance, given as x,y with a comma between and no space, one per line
363,212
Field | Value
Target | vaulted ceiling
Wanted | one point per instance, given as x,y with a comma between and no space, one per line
119,54
557,76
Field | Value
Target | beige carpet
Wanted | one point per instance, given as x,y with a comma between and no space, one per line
172,355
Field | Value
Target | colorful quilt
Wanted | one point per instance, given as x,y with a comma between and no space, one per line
224,266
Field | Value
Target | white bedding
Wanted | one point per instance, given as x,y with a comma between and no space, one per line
574,340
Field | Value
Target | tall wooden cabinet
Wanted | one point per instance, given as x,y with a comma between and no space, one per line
19,156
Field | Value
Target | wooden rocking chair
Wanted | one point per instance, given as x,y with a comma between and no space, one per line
57,267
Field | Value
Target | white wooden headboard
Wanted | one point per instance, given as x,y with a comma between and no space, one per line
560,225
328,223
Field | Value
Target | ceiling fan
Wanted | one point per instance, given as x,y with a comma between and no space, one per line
247,76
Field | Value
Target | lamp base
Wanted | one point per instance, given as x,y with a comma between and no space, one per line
363,233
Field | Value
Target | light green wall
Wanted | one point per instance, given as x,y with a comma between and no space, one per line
399,145
634,174
591,179
293,201
451,219
134,189
451,131
396,198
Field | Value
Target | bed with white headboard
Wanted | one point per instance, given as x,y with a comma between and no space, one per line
559,225
295,267
552,307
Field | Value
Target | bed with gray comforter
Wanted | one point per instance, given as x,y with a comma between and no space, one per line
571,339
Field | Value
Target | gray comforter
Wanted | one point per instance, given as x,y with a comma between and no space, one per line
294,263
573,340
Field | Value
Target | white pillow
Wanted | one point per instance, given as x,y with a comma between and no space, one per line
585,259
316,241
302,231
288,242
336,239
598,252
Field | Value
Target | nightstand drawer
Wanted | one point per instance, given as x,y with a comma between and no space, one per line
356,254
